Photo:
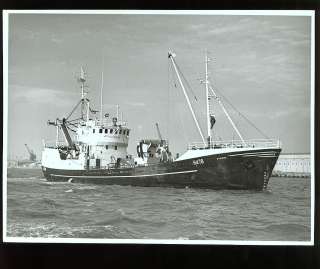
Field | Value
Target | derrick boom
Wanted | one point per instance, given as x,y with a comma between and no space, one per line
159,134
66,134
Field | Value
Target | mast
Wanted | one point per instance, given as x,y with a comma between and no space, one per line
171,56
57,135
88,109
101,97
207,99
82,80
101,90
117,112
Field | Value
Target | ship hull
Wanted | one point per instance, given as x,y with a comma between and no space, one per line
248,170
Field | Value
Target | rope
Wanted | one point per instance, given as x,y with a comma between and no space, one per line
243,116
74,120
73,109
186,81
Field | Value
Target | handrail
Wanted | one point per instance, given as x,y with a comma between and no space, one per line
54,144
108,123
253,143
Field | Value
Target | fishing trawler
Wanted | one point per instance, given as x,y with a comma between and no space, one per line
97,152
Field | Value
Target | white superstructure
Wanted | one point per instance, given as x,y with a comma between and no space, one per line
95,142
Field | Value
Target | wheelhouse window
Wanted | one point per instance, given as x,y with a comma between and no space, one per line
127,132
115,147
100,131
111,131
120,131
106,131
116,131
93,130
107,146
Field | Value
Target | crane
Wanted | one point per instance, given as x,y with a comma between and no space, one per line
159,134
64,124
33,156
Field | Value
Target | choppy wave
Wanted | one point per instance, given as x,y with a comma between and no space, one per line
37,208
52,230
292,228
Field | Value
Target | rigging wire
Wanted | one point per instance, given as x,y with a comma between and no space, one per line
171,76
74,120
74,109
186,81
74,125
71,129
240,114
224,97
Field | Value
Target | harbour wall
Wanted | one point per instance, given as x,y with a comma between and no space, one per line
292,165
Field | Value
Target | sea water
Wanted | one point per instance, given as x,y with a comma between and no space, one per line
38,208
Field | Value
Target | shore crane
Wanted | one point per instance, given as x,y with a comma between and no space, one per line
32,155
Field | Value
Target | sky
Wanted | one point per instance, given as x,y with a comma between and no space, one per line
260,63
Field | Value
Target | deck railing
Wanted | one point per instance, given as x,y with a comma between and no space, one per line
254,143
109,123
54,144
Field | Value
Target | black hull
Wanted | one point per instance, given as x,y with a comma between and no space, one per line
248,170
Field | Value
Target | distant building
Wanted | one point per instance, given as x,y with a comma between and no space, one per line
293,165
12,163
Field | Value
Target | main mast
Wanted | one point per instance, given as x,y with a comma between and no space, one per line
82,80
214,95
208,100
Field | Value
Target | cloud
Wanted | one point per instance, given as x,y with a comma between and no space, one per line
137,104
56,40
36,95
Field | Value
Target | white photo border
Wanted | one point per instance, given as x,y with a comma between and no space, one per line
5,16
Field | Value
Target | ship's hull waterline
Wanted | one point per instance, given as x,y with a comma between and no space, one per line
247,170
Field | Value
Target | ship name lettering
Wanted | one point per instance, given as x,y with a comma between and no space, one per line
198,162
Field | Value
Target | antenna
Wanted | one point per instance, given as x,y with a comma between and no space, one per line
101,91
117,111
82,79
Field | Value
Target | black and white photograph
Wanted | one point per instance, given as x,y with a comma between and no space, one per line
158,127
